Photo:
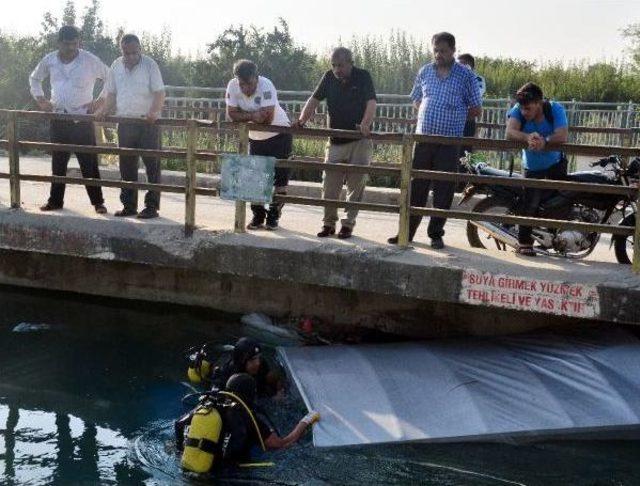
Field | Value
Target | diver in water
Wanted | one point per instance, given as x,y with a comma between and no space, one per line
224,428
246,357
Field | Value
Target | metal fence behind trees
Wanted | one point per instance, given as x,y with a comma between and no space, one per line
609,124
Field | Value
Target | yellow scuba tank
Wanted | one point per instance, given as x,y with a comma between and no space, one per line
199,366
201,443
198,371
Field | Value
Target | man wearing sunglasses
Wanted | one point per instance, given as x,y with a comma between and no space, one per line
537,122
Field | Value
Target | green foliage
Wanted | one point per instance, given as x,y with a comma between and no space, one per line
632,32
392,61
605,82
289,66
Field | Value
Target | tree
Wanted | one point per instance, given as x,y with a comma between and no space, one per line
289,66
632,33
392,62
69,13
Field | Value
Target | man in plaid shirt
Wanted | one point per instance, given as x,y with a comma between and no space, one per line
445,94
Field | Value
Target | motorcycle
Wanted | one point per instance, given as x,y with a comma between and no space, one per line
556,204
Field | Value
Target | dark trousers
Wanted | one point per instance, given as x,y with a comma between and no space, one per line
430,156
279,147
470,128
141,136
68,132
533,197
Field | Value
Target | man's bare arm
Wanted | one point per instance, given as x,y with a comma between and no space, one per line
560,135
514,132
475,112
107,107
267,115
367,119
156,106
237,115
308,111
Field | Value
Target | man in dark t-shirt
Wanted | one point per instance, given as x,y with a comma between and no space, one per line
351,102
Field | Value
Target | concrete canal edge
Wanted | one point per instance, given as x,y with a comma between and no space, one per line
378,287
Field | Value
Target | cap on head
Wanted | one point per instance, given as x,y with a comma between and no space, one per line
243,386
68,33
244,350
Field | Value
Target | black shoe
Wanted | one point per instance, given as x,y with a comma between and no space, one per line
125,213
256,223
345,233
50,207
327,231
100,209
271,224
437,243
148,213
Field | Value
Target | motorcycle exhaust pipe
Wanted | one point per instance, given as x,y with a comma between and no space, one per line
497,232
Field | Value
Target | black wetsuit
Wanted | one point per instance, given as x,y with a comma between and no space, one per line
221,375
239,435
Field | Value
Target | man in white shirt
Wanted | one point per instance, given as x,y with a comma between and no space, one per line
253,98
136,89
72,73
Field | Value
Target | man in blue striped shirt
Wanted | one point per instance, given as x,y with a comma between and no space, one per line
445,94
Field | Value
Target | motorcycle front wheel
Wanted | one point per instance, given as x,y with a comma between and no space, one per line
623,245
492,205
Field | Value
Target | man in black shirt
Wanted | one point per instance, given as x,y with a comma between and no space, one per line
351,101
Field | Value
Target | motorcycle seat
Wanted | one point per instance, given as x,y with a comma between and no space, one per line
592,177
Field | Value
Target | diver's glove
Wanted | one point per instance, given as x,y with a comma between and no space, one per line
311,418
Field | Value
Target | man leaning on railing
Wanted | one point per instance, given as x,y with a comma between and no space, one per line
136,89
538,122
253,98
72,73
446,94
351,101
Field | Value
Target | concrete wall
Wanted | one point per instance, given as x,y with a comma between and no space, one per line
382,288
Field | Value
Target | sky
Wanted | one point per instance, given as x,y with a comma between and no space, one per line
542,31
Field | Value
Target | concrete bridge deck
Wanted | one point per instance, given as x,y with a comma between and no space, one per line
361,281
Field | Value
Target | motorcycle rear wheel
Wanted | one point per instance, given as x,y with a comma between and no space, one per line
623,245
492,205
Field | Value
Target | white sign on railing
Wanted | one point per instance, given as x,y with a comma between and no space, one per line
247,178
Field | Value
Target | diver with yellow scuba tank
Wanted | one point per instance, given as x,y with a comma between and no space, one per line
224,428
246,357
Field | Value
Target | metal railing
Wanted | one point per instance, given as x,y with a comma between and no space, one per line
591,122
191,154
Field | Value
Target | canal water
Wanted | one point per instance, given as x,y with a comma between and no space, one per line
89,390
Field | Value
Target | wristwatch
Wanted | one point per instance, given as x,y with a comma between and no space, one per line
547,139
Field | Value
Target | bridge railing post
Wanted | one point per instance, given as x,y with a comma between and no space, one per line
14,158
241,206
190,179
405,190
636,242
